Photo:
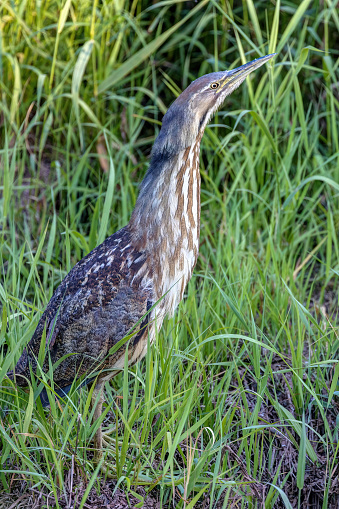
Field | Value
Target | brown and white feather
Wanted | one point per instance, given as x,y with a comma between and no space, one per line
115,288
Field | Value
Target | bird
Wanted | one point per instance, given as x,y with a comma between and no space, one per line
127,285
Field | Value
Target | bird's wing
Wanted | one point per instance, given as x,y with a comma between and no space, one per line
95,306
89,339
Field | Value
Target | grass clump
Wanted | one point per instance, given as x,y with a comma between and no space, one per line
237,403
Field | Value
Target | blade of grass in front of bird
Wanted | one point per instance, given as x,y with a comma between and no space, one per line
17,347
28,411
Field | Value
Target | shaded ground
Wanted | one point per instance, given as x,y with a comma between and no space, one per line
105,500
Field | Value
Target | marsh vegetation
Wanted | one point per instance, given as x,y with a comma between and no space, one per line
237,403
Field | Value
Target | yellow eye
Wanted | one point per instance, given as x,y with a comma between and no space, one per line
214,85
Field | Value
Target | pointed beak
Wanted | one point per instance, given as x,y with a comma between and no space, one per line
237,76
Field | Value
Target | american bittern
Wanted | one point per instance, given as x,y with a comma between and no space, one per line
114,288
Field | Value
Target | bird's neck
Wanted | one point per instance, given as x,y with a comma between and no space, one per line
169,199
166,219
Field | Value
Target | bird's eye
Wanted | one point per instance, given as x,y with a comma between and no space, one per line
214,85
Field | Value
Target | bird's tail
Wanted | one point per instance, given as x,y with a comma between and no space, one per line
61,392
22,373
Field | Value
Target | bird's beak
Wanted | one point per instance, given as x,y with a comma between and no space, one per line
237,76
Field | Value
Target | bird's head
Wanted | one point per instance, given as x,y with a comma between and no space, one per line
188,116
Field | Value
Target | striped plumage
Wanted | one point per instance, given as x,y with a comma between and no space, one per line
114,289
171,237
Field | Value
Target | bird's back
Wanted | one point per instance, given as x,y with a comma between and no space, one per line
94,307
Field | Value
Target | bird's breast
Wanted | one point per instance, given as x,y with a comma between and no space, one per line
179,230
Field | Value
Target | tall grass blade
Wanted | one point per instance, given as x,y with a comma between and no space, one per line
145,52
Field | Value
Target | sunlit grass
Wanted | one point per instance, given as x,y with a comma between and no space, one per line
237,401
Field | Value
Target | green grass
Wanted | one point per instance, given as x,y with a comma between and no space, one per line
237,403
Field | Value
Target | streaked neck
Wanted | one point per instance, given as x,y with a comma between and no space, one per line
168,205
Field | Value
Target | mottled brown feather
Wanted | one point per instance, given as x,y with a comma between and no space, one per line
92,309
